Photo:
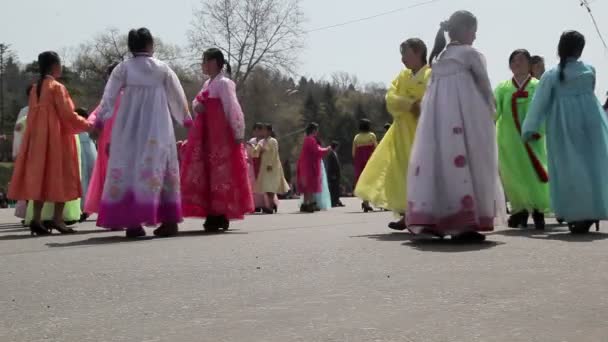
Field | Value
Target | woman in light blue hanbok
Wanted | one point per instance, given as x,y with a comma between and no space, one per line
88,156
323,198
566,107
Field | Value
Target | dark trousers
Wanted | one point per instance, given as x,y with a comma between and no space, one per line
334,191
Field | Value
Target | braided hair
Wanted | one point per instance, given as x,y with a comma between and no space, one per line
571,46
46,61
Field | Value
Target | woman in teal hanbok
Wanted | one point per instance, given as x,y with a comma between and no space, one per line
577,136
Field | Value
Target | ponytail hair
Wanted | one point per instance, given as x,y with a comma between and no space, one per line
440,42
140,40
228,70
571,46
562,66
46,61
458,24
218,56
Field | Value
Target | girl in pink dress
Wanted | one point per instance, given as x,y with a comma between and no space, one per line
309,168
214,173
98,178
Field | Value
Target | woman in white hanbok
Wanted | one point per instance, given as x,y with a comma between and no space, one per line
142,185
453,183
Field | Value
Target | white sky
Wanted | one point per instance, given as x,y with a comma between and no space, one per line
369,49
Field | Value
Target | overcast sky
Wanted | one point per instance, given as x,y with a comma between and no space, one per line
369,49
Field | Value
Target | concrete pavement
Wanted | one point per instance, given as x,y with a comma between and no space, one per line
333,276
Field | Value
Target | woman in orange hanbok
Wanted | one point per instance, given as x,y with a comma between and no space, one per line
46,169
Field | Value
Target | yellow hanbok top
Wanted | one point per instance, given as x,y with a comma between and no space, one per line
364,139
384,179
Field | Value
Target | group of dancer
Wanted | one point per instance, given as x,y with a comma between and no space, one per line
455,142
136,180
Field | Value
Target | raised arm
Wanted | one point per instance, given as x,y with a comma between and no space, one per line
110,95
272,148
178,104
537,112
396,104
232,108
65,110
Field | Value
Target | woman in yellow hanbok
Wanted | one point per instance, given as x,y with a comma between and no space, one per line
384,179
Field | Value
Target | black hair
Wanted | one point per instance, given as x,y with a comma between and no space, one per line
258,125
523,52
82,112
458,22
139,40
28,90
418,46
218,56
571,45
268,127
311,128
536,59
387,125
335,144
111,68
46,61
365,126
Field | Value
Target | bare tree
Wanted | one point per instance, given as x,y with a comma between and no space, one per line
252,33
344,81
92,58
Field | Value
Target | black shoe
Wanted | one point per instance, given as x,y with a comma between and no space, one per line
212,224
83,217
469,237
398,225
37,229
61,228
580,227
519,220
539,220
268,211
307,208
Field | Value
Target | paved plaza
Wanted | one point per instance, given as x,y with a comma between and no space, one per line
339,275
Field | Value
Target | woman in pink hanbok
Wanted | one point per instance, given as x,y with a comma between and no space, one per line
309,174
142,183
214,173
98,178
453,183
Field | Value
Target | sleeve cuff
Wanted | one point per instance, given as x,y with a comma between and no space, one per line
188,122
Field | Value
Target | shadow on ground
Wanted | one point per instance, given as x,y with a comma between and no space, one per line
105,240
432,245
26,234
553,232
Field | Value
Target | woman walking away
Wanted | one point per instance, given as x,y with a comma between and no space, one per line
271,180
453,183
364,144
47,167
215,179
142,187
384,179
310,174
577,136
523,166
